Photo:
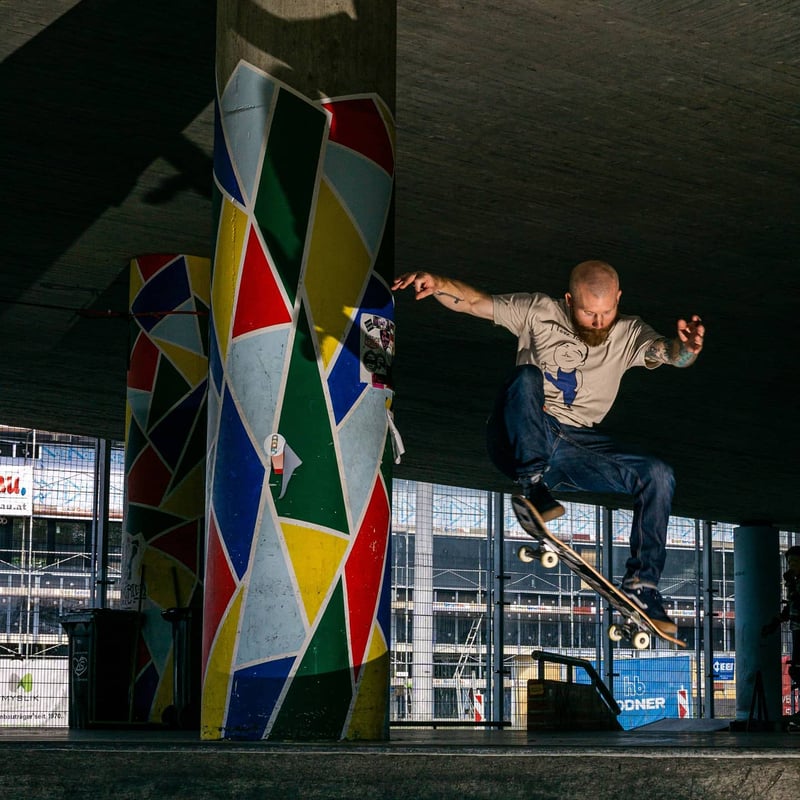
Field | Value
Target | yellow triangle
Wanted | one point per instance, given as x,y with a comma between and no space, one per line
136,281
200,276
225,274
218,673
338,265
189,498
193,366
369,708
162,572
316,557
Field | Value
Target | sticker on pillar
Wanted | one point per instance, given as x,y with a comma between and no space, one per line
377,350
132,585
283,459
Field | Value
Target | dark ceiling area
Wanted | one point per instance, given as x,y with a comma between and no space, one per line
661,136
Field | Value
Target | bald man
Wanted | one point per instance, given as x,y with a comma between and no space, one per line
571,355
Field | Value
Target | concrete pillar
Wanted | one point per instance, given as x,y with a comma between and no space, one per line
757,586
296,637
165,448
422,667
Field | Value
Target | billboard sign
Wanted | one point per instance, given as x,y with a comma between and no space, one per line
16,490
722,668
34,692
650,689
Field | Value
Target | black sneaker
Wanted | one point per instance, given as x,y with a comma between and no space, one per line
652,604
535,490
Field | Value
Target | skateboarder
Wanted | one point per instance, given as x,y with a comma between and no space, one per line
571,355
791,611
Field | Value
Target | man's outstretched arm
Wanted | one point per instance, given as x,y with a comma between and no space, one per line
452,294
682,351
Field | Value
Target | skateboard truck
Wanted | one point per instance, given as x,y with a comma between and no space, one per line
638,638
528,553
636,627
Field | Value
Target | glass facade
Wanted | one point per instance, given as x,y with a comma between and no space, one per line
469,617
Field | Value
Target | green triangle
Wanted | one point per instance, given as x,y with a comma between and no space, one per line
195,450
148,521
288,181
314,491
135,442
169,389
316,705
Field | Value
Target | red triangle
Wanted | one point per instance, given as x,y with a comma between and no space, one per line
219,587
358,124
182,544
144,360
148,479
152,263
143,656
364,572
260,303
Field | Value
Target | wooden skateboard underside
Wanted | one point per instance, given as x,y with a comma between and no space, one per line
636,625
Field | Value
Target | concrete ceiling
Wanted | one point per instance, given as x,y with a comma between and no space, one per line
661,136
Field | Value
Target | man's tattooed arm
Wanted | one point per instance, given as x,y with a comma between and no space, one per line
670,351
456,300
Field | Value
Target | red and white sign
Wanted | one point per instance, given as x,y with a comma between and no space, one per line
478,702
16,491
683,703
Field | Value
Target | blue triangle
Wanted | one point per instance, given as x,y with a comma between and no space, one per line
223,167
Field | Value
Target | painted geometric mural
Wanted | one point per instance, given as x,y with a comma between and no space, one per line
165,466
296,619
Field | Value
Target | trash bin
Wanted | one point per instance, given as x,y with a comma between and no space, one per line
187,633
102,649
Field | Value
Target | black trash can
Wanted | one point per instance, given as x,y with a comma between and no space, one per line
187,635
102,649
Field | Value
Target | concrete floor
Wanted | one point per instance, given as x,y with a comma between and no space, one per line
674,760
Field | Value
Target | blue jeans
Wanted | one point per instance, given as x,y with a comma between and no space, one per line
524,440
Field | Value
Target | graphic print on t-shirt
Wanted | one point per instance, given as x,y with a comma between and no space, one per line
564,373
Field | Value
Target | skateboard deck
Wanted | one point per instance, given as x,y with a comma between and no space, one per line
636,626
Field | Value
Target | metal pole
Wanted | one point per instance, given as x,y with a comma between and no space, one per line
422,697
607,571
491,587
598,615
102,476
498,612
708,619
698,601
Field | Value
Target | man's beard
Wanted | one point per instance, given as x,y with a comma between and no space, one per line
594,337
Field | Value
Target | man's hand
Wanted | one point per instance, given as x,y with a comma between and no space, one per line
691,334
451,293
424,283
682,351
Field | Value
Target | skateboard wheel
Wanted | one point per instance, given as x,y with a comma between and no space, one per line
526,554
641,640
549,559
615,633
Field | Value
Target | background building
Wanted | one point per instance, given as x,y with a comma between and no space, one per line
467,613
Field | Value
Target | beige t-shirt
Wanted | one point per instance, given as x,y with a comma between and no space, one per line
580,382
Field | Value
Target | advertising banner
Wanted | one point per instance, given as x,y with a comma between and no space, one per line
651,689
16,490
34,692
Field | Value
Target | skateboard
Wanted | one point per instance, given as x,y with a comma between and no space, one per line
636,627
